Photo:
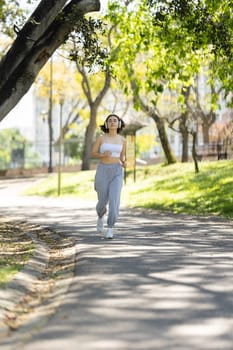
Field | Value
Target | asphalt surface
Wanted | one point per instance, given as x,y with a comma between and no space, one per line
164,282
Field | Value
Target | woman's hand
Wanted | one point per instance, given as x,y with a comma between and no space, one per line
107,154
123,164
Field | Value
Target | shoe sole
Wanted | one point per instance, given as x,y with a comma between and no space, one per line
109,237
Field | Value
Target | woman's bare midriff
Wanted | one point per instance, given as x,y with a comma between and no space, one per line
110,160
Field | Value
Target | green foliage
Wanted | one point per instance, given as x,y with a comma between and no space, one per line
86,46
15,148
10,14
172,39
10,139
145,143
73,146
205,24
152,58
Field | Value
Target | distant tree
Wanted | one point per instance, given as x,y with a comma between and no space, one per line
65,87
13,146
95,82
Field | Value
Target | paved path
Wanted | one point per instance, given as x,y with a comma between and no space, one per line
165,282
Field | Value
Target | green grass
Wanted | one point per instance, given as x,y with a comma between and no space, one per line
16,249
8,272
79,184
178,189
175,188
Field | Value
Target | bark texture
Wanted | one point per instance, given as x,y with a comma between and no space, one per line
91,128
159,121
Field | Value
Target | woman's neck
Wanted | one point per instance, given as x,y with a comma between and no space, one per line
112,133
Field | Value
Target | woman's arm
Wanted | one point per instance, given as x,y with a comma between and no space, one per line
123,155
95,150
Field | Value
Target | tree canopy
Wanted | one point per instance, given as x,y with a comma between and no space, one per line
164,46
206,24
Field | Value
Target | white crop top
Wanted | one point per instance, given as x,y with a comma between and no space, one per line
112,147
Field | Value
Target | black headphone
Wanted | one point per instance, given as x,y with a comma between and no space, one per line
106,123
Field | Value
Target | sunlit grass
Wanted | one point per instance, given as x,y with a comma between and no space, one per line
175,188
79,184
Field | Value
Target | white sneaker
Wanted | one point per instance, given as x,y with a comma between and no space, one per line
109,233
100,225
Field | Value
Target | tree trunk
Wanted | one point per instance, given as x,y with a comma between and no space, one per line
207,121
43,33
185,149
93,105
170,157
88,142
194,153
205,132
90,131
183,125
160,123
185,138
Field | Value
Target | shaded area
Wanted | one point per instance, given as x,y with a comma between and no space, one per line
164,282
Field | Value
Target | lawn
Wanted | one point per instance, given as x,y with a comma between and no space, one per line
178,189
175,188
72,184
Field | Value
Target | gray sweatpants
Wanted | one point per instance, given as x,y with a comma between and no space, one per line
108,185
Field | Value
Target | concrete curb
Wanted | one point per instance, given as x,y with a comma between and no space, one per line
41,316
23,283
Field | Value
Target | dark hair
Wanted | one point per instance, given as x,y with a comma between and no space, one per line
104,126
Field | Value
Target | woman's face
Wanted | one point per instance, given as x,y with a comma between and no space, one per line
112,122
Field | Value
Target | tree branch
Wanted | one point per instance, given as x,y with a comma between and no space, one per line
106,86
33,29
16,81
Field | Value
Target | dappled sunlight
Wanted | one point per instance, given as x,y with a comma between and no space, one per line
164,281
213,327
177,188
165,300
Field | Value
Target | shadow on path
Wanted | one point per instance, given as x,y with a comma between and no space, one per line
164,282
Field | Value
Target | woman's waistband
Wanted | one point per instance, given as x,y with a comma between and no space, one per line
113,165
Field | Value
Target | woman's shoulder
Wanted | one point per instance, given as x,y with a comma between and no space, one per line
122,138
100,139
